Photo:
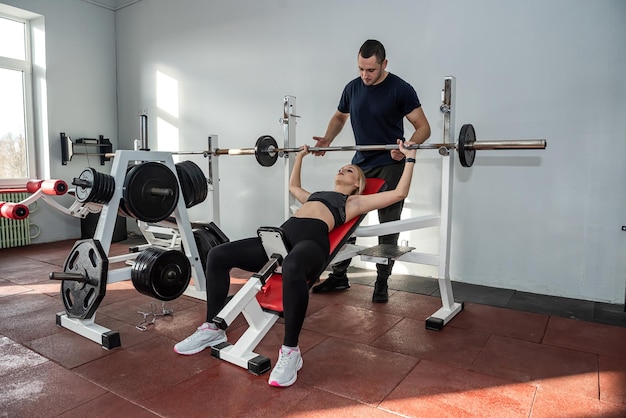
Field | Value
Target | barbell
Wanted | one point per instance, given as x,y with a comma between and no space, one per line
266,149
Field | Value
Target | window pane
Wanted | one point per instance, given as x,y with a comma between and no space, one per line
13,163
12,34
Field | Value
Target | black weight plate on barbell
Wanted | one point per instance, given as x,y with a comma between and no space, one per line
263,153
81,299
467,136
140,202
162,274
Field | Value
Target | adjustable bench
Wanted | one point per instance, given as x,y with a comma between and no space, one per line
260,300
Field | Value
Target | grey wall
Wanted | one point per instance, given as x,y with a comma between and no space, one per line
539,221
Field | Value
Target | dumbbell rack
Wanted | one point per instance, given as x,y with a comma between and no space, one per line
442,260
104,234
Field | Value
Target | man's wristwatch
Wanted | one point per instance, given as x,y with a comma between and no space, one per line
410,160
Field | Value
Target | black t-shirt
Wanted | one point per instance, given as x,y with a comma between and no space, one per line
377,115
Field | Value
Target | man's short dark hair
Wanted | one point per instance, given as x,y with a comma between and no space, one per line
375,48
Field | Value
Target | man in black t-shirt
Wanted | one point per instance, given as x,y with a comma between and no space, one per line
376,103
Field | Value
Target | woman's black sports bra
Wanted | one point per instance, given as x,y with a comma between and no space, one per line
335,202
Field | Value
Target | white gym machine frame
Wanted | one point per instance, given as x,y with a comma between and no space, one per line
260,320
444,220
163,234
247,304
104,234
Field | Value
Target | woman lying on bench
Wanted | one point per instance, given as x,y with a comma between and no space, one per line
307,232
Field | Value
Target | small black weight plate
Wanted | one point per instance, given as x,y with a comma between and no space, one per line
84,193
467,137
92,186
141,193
161,274
206,236
204,243
82,298
264,151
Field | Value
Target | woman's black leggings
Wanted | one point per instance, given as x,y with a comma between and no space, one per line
306,260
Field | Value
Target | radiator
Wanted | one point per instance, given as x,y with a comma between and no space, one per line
14,233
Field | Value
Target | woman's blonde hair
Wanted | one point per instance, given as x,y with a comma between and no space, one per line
362,180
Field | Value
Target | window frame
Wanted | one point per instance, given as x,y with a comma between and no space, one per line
26,67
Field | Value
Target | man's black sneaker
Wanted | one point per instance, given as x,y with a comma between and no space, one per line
331,284
380,291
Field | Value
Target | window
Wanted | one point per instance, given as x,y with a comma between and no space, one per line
16,137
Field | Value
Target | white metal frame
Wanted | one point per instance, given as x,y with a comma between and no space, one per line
260,321
289,133
442,260
104,233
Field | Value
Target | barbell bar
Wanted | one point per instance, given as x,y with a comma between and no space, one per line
482,145
266,149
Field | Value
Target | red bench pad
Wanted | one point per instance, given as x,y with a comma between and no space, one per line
271,295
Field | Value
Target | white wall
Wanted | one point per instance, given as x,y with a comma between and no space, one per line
539,221
80,86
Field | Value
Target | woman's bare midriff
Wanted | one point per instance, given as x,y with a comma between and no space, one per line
316,210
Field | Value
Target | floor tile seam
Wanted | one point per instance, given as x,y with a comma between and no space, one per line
26,369
113,392
21,294
140,403
375,338
28,259
478,354
13,294
496,334
343,396
326,390
598,378
542,344
377,347
539,379
76,406
469,369
583,350
533,401
72,372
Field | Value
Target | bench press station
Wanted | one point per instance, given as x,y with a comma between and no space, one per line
260,300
